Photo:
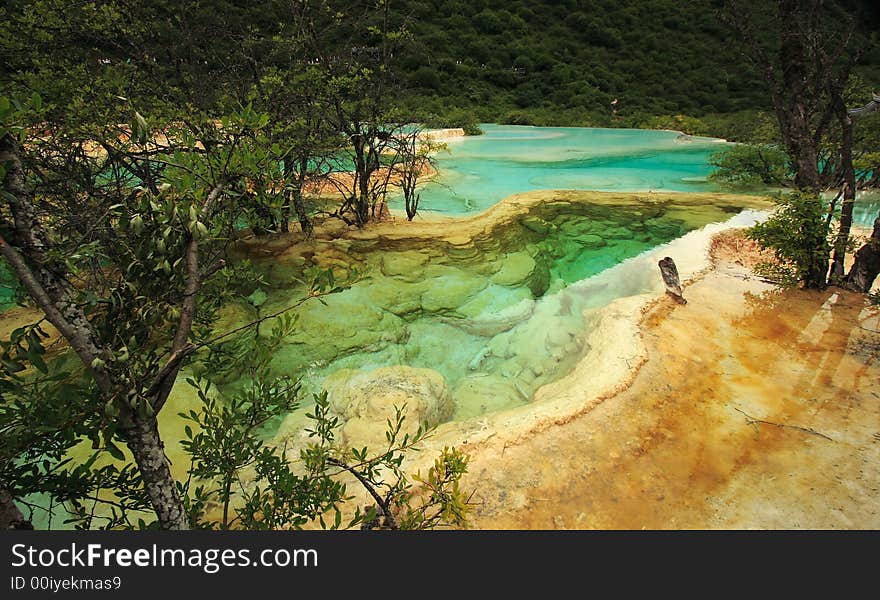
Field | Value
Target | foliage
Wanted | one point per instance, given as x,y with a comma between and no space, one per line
683,123
456,117
798,235
564,63
274,489
751,166
124,191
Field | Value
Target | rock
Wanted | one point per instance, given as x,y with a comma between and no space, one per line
577,226
492,323
407,265
492,299
511,368
396,295
450,288
537,225
478,359
402,302
540,279
669,272
479,394
617,233
591,241
462,252
346,322
365,400
558,337
516,268
500,345
459,240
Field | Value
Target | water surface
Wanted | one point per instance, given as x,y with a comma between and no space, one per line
478,171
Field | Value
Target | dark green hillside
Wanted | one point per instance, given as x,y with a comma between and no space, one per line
567,61
519,61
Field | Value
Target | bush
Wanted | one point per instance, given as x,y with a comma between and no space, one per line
518,118
751,166
455,117
683,123
797,233
426,77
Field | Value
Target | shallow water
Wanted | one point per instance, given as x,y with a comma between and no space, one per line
479,171
866,208
497,318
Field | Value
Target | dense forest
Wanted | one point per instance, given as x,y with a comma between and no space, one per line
585,62
576,62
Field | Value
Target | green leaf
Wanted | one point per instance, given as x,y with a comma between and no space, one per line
140,131
257,298
39,363
12,366
110,409
114,450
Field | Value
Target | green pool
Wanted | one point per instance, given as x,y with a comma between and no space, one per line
496,317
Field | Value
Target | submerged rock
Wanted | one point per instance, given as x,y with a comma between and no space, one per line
537,225
344,323
492,323
515,269
406,265
404,299
492,299
591,241
539,282
450,288
366,400
478,394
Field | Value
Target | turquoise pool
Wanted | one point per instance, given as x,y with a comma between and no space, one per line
478,171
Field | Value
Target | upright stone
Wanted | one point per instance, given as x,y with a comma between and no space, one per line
670,277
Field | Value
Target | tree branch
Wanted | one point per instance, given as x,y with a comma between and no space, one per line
383,506
754,421
187,310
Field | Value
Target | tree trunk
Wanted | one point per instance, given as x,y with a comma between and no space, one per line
794,116
807,177
867,265
299,208
296,182
817,275
149,453
10,515
361,187
849,195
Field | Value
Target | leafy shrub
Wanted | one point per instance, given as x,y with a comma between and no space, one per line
456,117
751,166
797,233
683,123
